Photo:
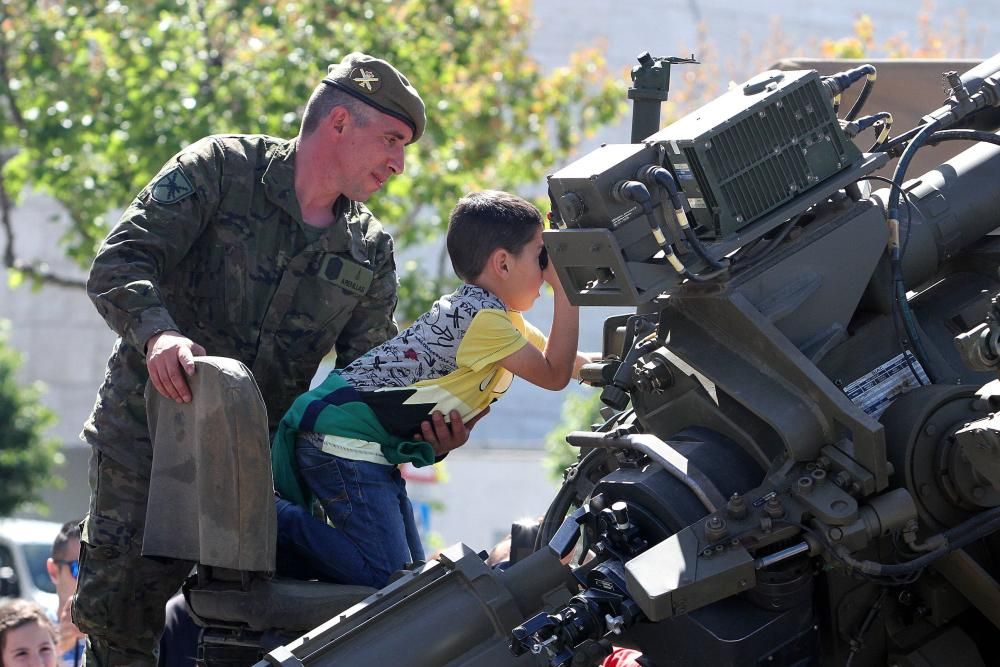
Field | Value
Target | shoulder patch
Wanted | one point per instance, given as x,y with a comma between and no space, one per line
172,187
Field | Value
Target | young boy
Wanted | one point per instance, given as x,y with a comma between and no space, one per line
342,442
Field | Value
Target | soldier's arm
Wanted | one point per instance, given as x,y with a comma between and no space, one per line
152,236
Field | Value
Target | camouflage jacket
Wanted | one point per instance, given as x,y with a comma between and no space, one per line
214,247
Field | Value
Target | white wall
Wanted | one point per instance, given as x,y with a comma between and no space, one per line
63,342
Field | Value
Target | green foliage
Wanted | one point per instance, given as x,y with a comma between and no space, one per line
26,455
95,96
579,411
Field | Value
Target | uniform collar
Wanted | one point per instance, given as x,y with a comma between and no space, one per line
279,186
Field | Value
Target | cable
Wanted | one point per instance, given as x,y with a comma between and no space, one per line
923,135
821,538
897,144
895,258
881,121
758,252
954,538
894,314
871,74
858,641
963,135
566,496
636,191
682,209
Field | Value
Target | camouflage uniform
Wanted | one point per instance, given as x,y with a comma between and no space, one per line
215,248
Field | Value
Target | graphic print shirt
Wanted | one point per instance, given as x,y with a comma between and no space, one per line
446,360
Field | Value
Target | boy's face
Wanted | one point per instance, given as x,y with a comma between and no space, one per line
525,278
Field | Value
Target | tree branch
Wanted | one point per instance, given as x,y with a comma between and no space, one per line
15,112
37,271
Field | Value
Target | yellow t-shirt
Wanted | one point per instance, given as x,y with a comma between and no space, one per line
447,360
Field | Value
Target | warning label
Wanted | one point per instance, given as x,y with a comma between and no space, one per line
875,391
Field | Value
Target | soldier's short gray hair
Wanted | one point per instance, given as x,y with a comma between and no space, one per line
322,102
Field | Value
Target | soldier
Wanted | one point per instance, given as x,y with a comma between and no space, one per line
244,246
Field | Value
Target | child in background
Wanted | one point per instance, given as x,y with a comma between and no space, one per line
27,636
342,442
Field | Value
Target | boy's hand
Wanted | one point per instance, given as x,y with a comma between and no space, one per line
444,436
550,276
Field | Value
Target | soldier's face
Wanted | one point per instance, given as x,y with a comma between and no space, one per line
371,153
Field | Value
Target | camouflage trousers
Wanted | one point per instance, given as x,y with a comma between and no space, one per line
121,596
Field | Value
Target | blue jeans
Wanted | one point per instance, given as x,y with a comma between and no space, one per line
374,532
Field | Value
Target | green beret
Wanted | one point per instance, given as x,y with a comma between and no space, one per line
380,85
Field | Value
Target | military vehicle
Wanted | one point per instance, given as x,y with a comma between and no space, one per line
799,459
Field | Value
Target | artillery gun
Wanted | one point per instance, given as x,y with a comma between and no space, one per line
799,461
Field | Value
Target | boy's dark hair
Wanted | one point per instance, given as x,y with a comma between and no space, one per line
69,531
482,222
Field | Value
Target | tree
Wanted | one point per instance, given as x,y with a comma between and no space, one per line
26,455
579,412
96,96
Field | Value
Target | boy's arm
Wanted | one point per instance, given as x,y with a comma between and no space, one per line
584,358
552,368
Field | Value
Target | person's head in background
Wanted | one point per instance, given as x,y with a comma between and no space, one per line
27,636
64,563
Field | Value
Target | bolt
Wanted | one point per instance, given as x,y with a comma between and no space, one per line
804,485
774,508
715,522
836,534
736,507
931,430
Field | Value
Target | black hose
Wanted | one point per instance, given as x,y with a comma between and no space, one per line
865,92
706,277
841,81
955,538
964,135
899,143
566,497
925,134
665,179
895,259
759,252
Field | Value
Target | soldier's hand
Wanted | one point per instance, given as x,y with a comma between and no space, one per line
445,436
170,359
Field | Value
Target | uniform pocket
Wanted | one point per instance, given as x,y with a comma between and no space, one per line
104,582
